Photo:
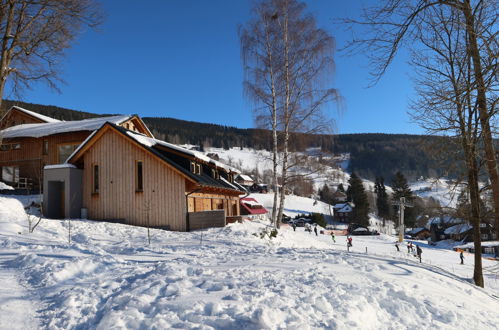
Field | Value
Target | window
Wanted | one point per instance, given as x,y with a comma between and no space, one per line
485,236
195,168
64,151
139,176
16,146
5,147
45,147
231,178
95,175
215,174
10,173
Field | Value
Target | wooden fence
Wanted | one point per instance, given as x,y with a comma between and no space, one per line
206,219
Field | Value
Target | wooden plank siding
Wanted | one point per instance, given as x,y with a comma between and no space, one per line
15,117
163,195
30,157
199,202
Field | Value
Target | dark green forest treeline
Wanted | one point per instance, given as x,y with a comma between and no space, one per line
371,155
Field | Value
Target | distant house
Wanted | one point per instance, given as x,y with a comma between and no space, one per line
259,188
252,208
419,233
339,197
121,175
438,225
244,180
27,148
460,232
464,232
343,211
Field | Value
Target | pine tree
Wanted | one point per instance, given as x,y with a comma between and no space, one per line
357,195
326,195
401,189
381,199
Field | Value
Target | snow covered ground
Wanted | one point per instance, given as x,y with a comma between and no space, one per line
444,191
228,278
294,205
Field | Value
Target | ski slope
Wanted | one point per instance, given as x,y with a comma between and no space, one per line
108,277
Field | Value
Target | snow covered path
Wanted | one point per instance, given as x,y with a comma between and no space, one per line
18,309
227,278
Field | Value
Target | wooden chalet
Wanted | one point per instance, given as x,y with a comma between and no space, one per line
138,180
19,116
343,211
31,141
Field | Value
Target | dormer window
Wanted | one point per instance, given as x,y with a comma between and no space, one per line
195,168
215,174
231,177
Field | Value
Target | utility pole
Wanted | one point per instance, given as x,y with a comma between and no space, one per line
402,205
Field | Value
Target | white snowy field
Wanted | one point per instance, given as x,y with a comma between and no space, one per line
227,278
294,205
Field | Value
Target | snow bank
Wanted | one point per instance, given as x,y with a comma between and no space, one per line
230,278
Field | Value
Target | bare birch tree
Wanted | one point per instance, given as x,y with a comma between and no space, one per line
448,104
288,63
392,24
35,34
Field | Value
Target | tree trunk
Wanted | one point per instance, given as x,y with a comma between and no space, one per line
287,117
482,108
475,220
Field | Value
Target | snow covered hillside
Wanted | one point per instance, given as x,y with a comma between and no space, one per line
228,278
294,205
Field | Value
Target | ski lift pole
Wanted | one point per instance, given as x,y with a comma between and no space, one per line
402,205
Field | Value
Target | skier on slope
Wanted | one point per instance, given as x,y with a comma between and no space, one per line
349,241
315,230
397,246
418,252
332,236
462,257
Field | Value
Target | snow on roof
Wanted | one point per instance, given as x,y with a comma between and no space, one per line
245,177
416,231
150,142
458,229
37,115
39,130
251,202
64,165
446,219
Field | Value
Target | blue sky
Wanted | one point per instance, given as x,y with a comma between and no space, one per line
181,59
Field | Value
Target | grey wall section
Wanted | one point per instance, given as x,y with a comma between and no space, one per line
62,185
206,219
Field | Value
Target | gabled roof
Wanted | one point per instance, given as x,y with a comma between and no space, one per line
444,220
36,115
416,231
252,206
153,146
245,177
40,130
151,142
458,229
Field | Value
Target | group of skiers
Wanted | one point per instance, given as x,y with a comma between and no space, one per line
410,248
419,251
308,228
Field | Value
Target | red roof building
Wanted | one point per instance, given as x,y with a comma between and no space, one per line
250,206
